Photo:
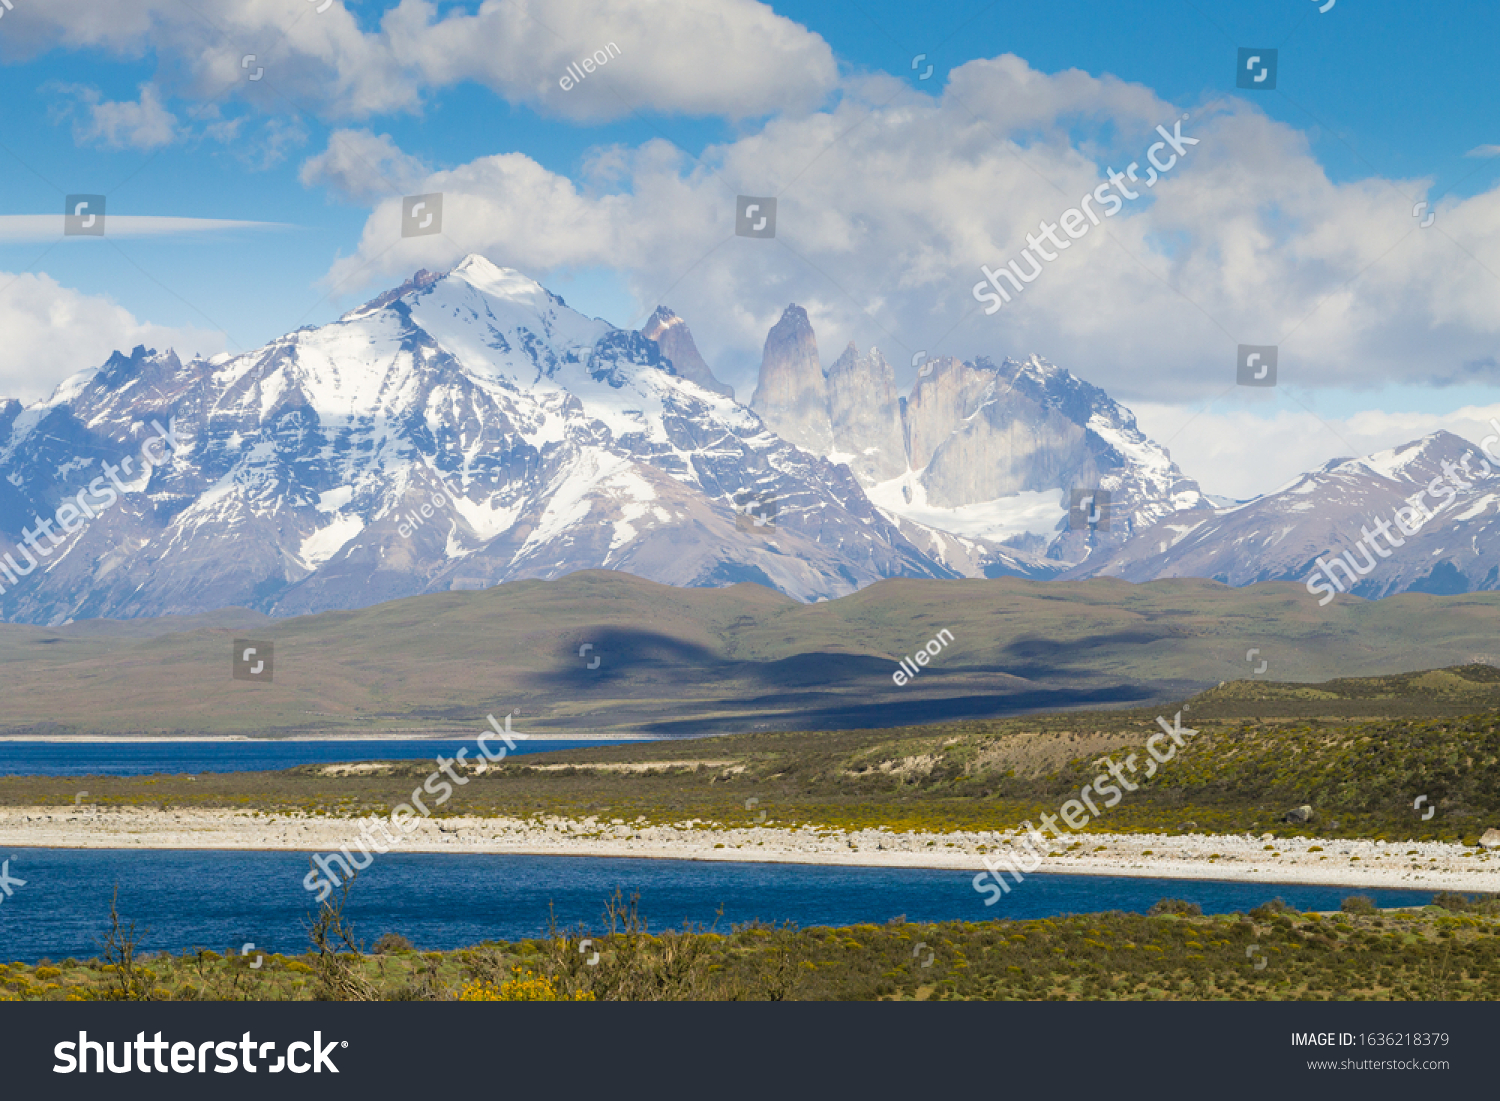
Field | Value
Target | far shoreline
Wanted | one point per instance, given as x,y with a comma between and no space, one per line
1237,858
774,859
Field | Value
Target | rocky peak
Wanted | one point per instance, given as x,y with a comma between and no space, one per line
418,282
942,401
676,342
792,395
865,414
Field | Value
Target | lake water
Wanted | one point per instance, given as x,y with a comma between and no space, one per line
144,758
222,900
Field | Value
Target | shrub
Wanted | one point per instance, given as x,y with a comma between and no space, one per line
1460,903
1359,904
1175,906
523,987
1267,910
391,943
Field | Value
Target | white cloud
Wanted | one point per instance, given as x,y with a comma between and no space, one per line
359,165
51,330
138,124
268,144
45,227
735,58
890,201
1484,151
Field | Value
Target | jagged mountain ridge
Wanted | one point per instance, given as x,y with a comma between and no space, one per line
986,453
676,342
468,428
1323,515
455,432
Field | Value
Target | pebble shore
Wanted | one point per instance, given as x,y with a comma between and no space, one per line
1236,857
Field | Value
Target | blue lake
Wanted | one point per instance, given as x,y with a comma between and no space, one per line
144,758
222,900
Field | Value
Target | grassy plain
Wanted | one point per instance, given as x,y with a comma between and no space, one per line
1356,750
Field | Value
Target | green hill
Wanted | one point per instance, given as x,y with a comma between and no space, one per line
679,662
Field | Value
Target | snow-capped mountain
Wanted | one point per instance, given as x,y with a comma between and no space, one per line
457,431
468,428
985,458
1429,509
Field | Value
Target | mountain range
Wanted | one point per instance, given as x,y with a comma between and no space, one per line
1442,541
468,428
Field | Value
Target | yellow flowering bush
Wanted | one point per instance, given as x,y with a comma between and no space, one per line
525,987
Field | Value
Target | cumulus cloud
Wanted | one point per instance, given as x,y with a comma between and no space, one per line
50,330
889,202
359,165
132,124
735,58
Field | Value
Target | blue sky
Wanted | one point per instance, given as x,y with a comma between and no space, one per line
1378,104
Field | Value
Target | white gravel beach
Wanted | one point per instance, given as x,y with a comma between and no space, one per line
1243,858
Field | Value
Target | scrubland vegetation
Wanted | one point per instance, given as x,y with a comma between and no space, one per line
1447,951
1260,750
